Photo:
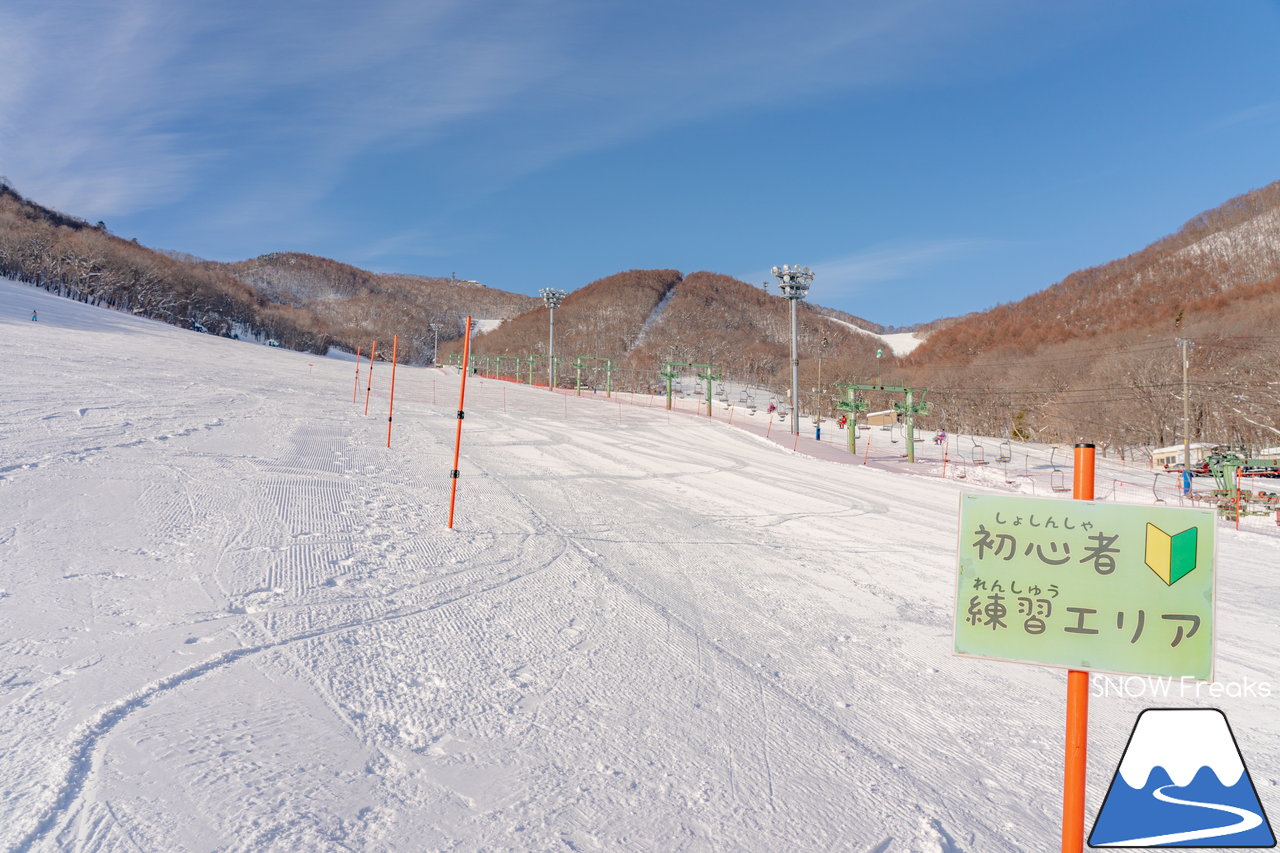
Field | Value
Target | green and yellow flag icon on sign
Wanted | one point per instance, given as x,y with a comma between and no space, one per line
1171,556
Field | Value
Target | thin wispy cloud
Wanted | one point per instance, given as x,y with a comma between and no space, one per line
869,269
115,107
1268,112
111,107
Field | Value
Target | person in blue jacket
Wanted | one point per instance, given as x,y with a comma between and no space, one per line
33,315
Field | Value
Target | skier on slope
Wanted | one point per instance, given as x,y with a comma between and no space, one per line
33,315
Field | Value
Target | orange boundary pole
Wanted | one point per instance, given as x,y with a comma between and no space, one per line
867,452
355,392
395,349
457,441
946,443
369,389
1077,734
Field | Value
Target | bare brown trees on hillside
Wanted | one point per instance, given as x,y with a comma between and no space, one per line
302,301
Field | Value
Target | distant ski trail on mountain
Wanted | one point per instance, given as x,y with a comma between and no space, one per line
1248,820
654,315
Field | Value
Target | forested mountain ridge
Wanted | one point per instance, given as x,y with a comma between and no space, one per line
1235,244
642,319
301,301
1098,356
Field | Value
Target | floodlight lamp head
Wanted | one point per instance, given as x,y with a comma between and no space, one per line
552,297
794,289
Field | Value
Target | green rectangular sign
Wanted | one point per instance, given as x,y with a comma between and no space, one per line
1086,585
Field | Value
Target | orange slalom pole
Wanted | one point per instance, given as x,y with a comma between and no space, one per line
355,392
1077,734
457,441
369,389
395,347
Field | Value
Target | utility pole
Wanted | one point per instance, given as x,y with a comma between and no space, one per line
1186,409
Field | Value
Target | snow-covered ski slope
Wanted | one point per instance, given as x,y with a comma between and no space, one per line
231,618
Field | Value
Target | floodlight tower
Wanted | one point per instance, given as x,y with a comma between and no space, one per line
552,297
435,345
793,282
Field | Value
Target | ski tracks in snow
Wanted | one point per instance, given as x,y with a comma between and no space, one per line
775,744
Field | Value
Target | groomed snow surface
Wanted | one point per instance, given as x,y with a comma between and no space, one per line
231,618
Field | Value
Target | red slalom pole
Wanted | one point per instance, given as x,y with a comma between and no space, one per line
369,389
1077,735
355,392
457,442
395,348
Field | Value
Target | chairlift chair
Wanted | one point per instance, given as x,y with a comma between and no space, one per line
979,454
1006,452
742,397
1058,481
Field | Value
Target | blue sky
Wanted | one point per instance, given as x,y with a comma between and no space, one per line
925,157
